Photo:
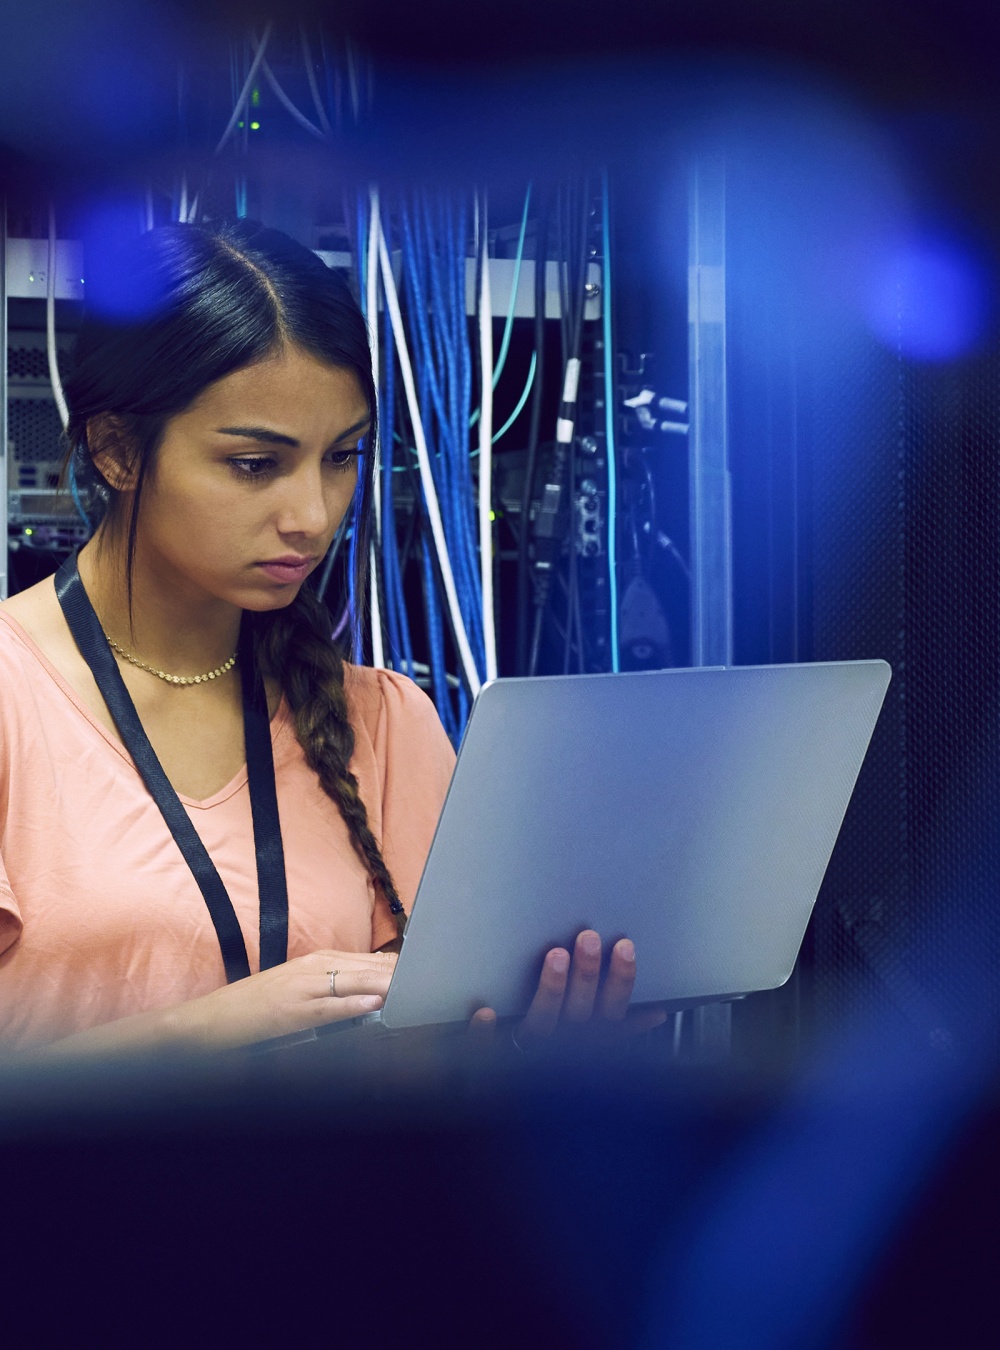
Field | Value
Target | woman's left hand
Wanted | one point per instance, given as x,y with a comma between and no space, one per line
571,993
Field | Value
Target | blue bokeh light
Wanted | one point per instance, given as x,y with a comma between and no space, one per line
116,288
928,297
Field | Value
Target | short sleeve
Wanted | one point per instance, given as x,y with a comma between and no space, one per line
10,915
416,761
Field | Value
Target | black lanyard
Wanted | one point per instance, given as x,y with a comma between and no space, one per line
93,645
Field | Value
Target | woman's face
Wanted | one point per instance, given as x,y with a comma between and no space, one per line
252,481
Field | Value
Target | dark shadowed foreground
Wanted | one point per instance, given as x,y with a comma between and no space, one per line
449,1196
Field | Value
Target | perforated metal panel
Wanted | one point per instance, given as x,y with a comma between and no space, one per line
35,430
906,526
27,356
858,512
953,647
27,362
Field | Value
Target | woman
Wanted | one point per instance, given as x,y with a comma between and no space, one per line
218,431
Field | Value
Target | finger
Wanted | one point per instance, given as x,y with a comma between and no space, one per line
618,983
645,1019
346,983
345,960
584,978
542,1017
323,1011
482,1024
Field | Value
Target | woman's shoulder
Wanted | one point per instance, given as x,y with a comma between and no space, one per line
34,615
23,623
390,704
34,633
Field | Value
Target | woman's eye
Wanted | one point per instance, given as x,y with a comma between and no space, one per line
255,466
341,459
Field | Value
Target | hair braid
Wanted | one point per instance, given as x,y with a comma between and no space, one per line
294,647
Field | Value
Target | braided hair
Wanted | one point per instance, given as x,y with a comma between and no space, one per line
188,306
293,645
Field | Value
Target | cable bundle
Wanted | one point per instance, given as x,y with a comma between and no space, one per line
434,276
432,440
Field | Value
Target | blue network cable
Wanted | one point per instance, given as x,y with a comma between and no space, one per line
384,488
432,239
430,358
439,678
354,601
467,541
74,489
395,605
508,327
357,653
435,356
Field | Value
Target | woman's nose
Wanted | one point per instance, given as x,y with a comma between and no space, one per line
305,509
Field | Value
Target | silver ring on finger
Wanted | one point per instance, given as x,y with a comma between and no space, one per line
333,982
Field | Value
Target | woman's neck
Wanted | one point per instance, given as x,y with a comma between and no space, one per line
175,626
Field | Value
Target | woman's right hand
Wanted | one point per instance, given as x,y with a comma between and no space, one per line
288,998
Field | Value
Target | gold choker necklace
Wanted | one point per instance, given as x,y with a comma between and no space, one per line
172,679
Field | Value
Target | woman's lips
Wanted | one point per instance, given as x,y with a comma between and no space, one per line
287,572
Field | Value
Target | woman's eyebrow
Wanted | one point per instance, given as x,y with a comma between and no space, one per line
269,437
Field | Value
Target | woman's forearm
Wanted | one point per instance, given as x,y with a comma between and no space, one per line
305,992
183,1027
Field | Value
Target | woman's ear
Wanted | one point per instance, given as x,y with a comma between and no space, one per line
111,451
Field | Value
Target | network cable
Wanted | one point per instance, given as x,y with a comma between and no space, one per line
426,472
50,322
281,95
550,522
609,422
324,121
247,87
397,620
541,249
509,321
371,316
438,357
486,447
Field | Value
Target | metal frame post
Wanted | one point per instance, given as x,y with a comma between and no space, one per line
708,464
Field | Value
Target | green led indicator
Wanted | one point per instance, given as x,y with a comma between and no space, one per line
255,98
255,126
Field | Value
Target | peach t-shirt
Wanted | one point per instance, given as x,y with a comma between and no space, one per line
100,916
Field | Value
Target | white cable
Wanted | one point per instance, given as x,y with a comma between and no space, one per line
288,105
378,651
50,322
182,209
247,86
324,121
486,448
352,79
371,314
426,476
371,308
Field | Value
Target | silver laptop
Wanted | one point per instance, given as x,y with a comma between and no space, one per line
693,811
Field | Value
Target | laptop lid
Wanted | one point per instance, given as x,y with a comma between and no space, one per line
692,810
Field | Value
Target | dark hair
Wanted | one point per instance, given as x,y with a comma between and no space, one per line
191,306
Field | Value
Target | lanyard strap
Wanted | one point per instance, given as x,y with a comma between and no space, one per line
93,645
